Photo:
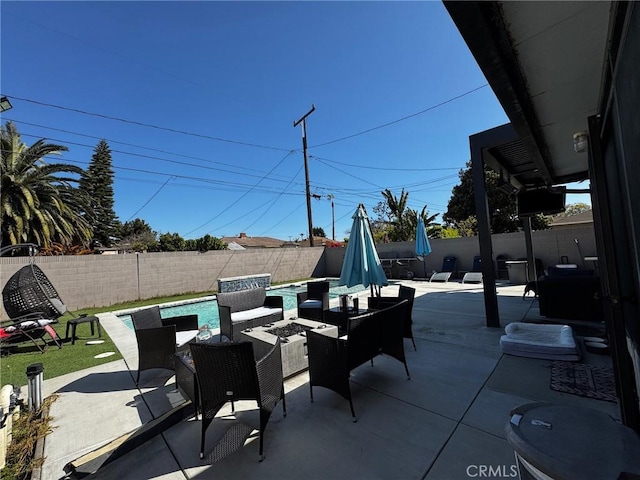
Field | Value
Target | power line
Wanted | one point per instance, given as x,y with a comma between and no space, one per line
152,197
395,169
403,118
242,196
284,217
191,186
142,124
134,122
186,177
219,182
347,173
273,202
151,157
111,141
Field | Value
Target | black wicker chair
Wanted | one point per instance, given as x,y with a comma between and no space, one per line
331,359
314,302
404,293
247,309
32,304
228,372
29,291
156,348
158,338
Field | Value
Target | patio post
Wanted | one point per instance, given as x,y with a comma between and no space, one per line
484,232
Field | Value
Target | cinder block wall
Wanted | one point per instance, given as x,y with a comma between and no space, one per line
103,280
548,245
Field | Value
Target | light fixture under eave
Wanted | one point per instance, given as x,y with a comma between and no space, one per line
5,104
580,141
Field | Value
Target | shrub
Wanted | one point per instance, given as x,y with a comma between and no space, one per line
28,428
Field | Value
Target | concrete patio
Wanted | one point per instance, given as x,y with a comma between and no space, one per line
447,422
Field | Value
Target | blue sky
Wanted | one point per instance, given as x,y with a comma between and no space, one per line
197,102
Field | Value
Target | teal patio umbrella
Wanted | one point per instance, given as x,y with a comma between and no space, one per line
423,248
361,264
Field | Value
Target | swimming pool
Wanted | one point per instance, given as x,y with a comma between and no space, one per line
207,310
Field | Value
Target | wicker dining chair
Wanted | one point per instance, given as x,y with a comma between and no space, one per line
158,338
314,301
228,372
404,293
156,348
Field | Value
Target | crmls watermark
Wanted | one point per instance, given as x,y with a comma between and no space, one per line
492,471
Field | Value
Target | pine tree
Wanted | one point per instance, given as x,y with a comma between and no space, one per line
97,183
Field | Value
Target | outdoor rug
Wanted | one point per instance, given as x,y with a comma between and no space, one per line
584,380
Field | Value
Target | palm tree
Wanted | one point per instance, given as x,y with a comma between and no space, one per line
402,220
39,202
412,219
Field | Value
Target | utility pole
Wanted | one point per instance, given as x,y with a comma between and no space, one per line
306,168
333,217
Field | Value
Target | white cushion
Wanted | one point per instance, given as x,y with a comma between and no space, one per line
311,304
185,337
540,341
35,323
259,312
541,334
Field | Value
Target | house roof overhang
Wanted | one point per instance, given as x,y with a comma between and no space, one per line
544,62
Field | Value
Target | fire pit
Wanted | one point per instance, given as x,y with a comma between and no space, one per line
288,330
293,341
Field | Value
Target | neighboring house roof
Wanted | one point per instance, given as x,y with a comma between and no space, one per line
584,218
317,242
267,242
254,242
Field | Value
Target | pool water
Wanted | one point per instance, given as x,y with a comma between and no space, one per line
207,310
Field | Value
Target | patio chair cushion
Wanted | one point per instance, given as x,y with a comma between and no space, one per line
549,342
311,304
254,313
247,309
28,324
30,330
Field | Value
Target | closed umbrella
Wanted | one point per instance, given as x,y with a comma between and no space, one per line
423,248
361,262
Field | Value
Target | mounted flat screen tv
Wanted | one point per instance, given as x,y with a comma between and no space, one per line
542,201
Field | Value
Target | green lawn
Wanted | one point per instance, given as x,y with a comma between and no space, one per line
70,358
